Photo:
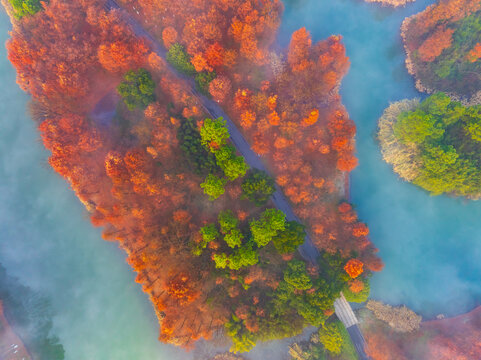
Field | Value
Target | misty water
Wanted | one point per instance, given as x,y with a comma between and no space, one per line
430,245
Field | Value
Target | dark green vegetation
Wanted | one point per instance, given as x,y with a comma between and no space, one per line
447,137
30,316
453,70
290,238
180,60
201,160
202,81
25,7
258,187
137,89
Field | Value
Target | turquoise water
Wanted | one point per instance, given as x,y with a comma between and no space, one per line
431,245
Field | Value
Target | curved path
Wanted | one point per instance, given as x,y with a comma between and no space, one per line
307,250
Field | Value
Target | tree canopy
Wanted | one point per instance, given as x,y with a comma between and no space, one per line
271,222
444,138
296,275
198,157
137,89
258,186
180,60
288,240
213,186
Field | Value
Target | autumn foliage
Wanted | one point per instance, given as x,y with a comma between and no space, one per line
130,171
354,268
442,48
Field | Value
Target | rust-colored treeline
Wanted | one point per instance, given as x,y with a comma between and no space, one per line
218,34
153,211
286,103
298,124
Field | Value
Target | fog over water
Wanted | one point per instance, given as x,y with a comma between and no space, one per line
431,245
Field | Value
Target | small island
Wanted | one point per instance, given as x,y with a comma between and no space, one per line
444,49
435,144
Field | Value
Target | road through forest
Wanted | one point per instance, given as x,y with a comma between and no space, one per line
307,249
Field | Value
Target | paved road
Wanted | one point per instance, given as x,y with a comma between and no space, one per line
307,250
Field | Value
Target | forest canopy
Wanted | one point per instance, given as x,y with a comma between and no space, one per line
438,142
444,48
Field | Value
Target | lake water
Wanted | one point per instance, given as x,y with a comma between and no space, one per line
431,245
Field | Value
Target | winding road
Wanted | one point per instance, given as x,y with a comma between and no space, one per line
307,249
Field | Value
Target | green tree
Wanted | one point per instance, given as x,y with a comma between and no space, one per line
202,81
221,260
234,168
201,160
331,337
296,275
234,238
258,187
243,340
227,221
474,130
443,137
271,222
22,8
288,240
214,133
416,126
243,256
209,233
137,89
180,60
213,186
